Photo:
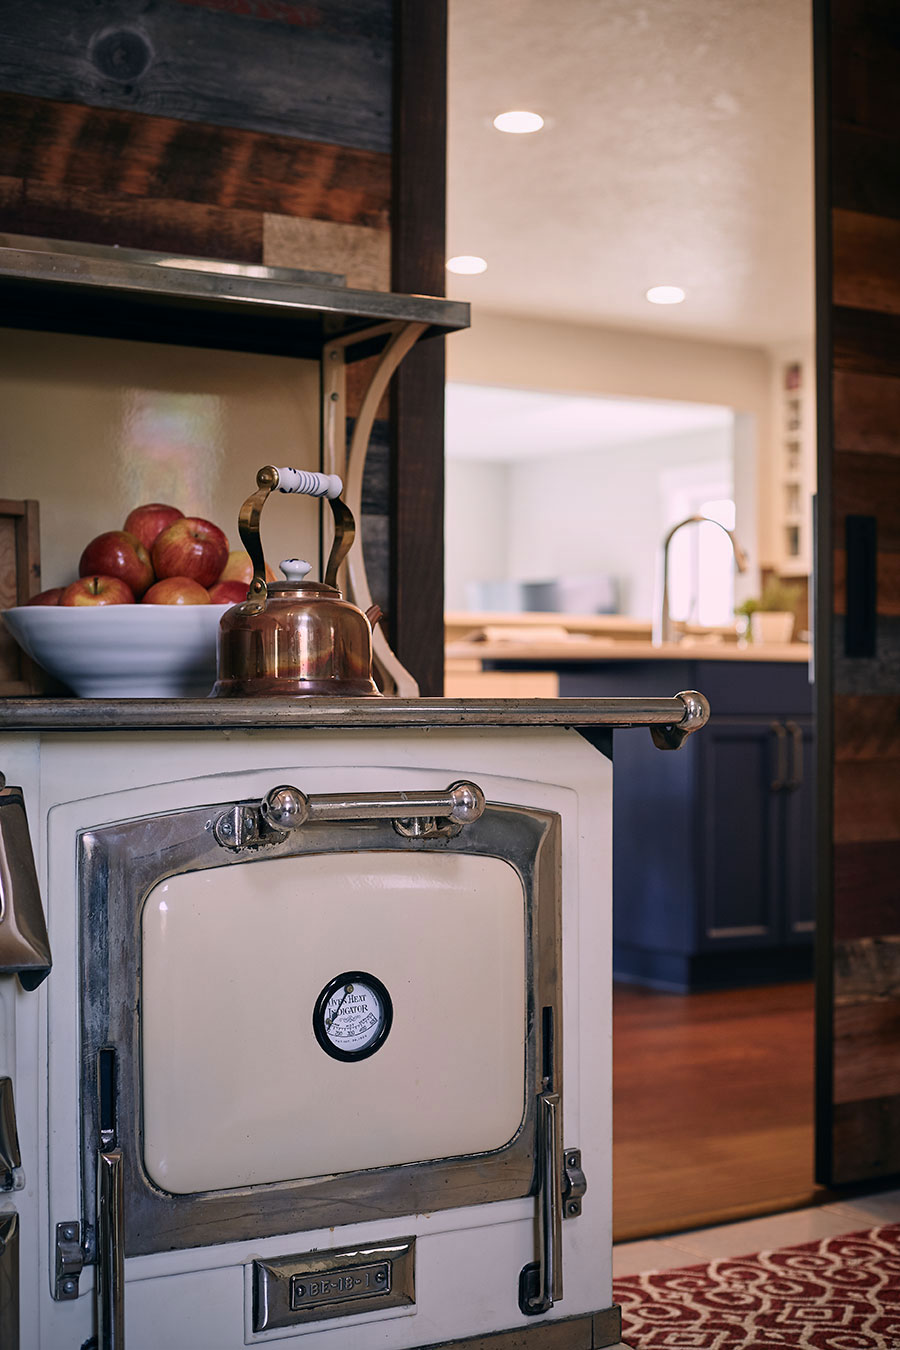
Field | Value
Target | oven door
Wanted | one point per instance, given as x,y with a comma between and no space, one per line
340,1023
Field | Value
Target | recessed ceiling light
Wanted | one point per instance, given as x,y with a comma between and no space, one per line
519,123
665,295
466,264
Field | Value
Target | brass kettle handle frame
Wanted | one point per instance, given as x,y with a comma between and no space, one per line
311,485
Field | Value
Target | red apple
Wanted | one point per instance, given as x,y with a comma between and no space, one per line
228,593
97,590
240,568
50,597
118,554
177,591
191,548
148,522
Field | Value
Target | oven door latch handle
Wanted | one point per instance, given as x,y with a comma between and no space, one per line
541,1281
415,815
561,1188
110,1276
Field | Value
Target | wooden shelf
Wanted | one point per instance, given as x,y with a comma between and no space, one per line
107,292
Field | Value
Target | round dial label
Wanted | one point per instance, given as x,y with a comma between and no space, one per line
352,1016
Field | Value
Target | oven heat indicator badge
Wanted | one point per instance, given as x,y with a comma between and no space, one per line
352,1016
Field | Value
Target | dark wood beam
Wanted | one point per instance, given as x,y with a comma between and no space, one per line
417,266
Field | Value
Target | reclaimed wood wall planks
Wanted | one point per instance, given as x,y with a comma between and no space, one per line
867,728
866,249
118,154
888,573
256,131
858,43
325,76
864,89
865,806
865,176
866,1138
188,228
868,484
866,413
865,889
865,1033
866,340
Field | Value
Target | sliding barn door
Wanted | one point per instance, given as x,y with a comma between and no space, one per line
858,588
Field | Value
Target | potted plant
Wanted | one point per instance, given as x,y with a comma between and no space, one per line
770,618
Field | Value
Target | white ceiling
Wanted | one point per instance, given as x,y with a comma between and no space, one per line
505,425
677,150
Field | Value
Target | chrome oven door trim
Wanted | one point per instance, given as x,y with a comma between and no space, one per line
118,865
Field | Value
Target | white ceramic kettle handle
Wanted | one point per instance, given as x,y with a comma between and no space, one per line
312,484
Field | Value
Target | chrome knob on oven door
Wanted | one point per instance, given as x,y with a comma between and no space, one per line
285,808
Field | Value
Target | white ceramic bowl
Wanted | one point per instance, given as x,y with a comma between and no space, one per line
122,651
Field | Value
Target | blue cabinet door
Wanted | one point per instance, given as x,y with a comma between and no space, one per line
740,816
712,845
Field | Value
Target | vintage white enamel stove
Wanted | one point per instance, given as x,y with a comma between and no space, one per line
323,1057
327,1067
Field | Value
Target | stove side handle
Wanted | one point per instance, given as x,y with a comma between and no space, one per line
672,735
24,945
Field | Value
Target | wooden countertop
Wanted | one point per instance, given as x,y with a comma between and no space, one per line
594,648
552,639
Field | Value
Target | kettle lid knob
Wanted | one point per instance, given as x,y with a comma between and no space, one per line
295,569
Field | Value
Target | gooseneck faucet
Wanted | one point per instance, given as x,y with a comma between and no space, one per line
663,628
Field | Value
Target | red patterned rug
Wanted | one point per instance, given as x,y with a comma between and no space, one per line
840,1293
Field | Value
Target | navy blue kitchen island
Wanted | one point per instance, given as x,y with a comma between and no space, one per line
713,849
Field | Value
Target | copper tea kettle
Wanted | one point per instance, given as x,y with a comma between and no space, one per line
295,637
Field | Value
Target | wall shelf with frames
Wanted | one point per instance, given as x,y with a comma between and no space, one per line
793,459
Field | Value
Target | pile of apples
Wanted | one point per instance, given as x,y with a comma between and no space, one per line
159,557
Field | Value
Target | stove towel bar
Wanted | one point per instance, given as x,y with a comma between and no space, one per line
285,808
415,815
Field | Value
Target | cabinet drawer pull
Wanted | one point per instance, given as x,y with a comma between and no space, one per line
778,782
796,777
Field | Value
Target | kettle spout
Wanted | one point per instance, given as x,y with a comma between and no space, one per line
374,614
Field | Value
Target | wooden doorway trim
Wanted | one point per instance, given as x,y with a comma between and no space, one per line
823,591
417,408
857,59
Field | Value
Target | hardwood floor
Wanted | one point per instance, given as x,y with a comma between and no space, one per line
712,1106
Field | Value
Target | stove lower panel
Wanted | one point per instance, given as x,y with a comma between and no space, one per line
189,1263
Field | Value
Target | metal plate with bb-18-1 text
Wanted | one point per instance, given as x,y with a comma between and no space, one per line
310,1291
314,1286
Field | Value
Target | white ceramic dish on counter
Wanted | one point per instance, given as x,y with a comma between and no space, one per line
122,651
